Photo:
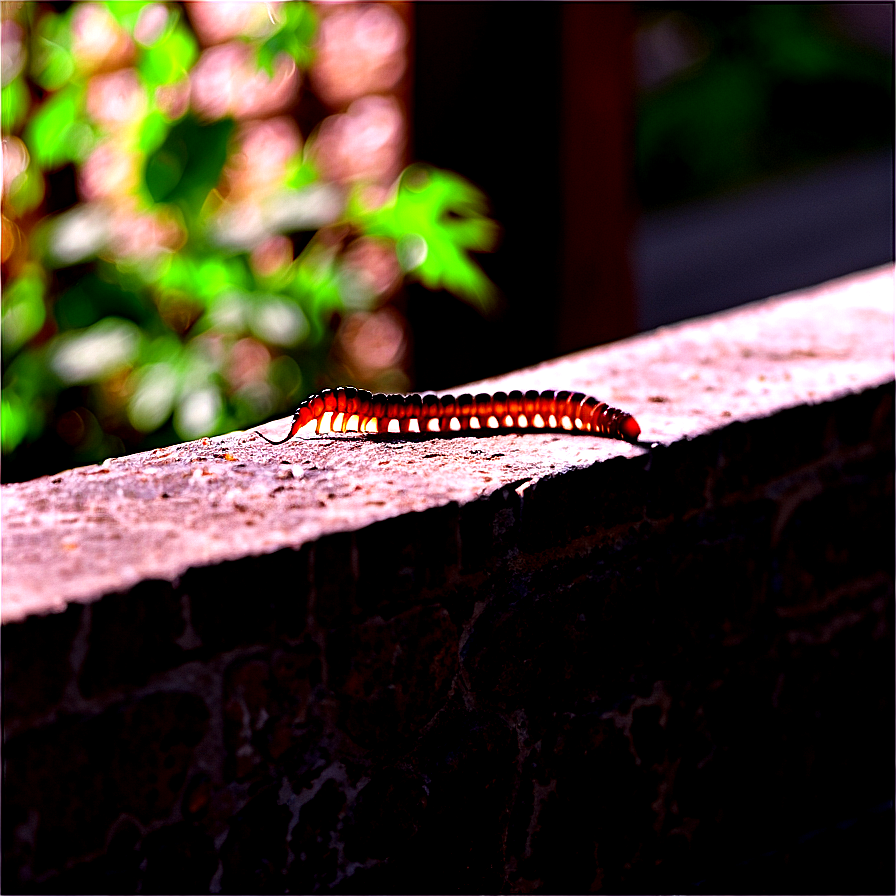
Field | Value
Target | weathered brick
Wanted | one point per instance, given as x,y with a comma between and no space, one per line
130,640
391,676
587,762
816,553
266,703
248,601
333,570
867,416
67,782
178,859
677,475
468,761
388,575
387,814
315,863
37,663
255,854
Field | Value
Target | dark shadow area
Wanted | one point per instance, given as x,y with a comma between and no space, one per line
787,234
483,107
761,162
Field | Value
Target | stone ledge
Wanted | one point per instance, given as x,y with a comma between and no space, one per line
342,663
103,529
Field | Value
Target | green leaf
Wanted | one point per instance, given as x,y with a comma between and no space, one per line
294,38
57,133
29,391
153,130
436,219
14,100
167,349
58,67
300,172
281,42
302,20
26,290
92,297
27,191
179,275
188,164
317,285
24,311
126,12
791,42
28,373
208,278
13,420
169,59
213,276
52,62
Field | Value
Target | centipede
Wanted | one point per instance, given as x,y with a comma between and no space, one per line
346,408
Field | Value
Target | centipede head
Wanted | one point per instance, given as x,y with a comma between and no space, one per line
630,429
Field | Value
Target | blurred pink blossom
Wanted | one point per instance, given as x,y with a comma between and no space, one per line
151,23
272,255
226,81
376,263
109,170
173,100
13,56
139,236
373,341
116,98
264,148
360,50
98,41
366,142
249,362
15,161
222,20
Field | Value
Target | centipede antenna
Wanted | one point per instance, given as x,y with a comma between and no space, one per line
271,441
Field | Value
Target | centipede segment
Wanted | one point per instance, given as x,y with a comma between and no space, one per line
347,408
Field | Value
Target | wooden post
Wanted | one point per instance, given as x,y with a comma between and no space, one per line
598,300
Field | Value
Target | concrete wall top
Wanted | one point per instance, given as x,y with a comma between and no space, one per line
92,531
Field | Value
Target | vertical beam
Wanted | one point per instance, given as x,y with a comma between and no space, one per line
598,300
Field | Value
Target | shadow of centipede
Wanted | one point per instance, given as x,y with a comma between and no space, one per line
391,438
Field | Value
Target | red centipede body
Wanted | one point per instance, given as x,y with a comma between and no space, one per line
515,410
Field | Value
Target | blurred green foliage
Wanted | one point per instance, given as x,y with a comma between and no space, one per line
735,92
108,349
434,219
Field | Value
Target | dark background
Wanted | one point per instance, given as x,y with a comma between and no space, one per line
650,162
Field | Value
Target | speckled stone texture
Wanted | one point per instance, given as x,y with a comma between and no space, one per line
498,663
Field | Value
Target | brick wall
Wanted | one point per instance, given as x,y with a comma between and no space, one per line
524,663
